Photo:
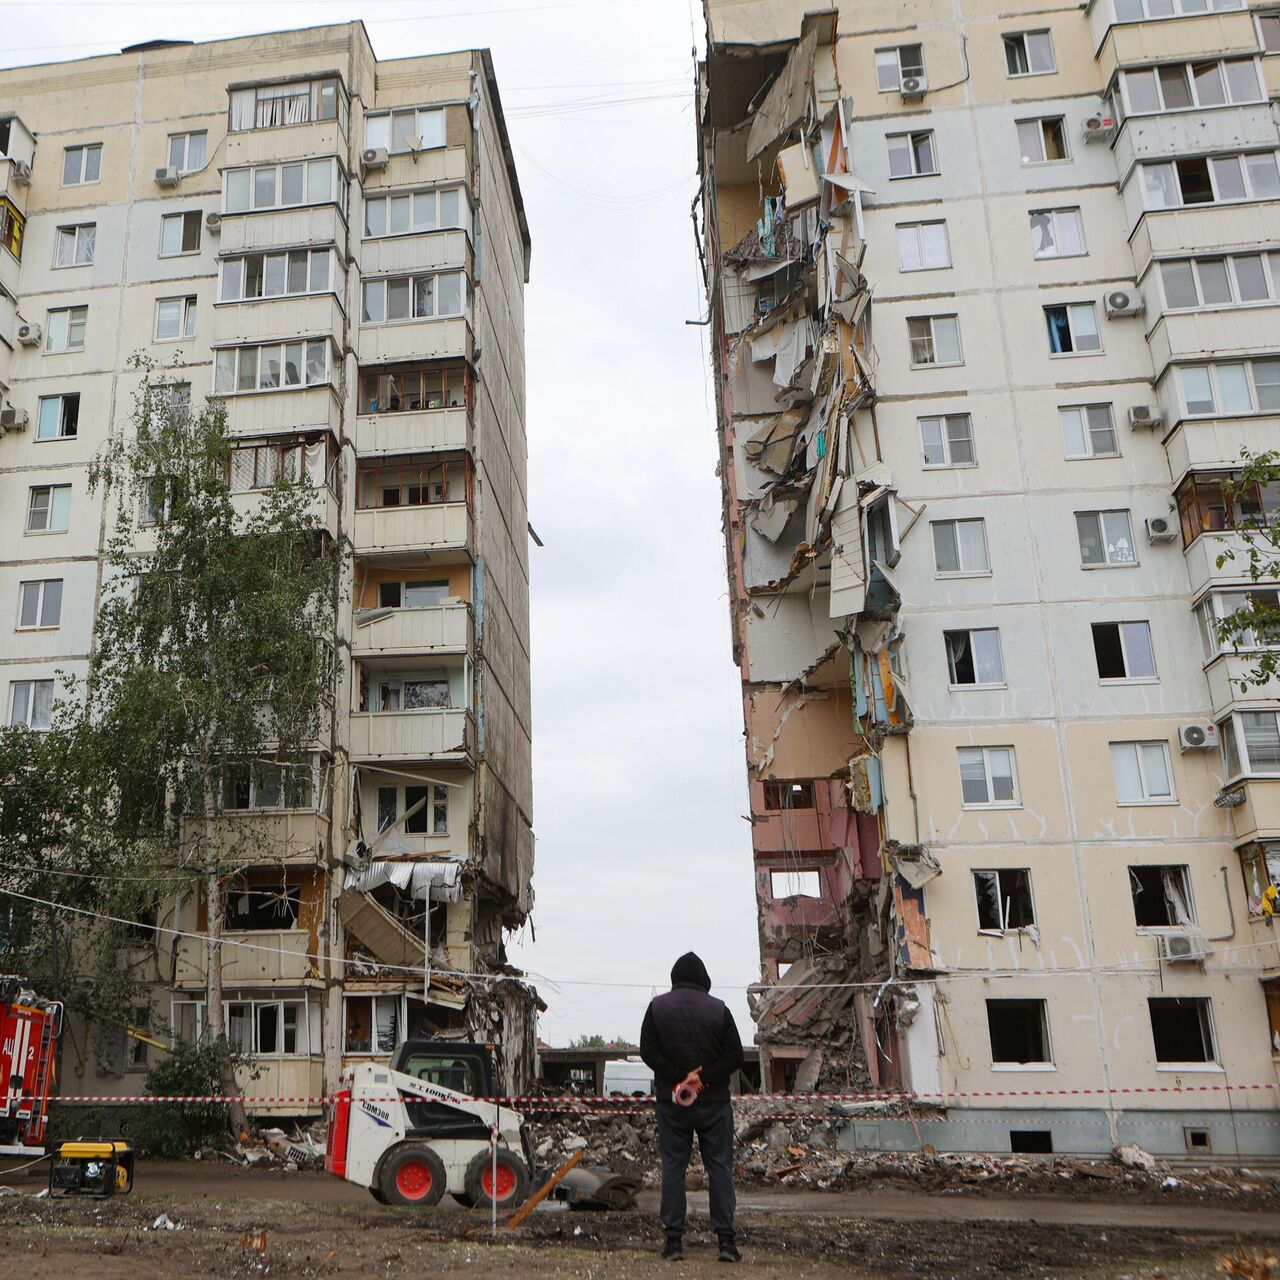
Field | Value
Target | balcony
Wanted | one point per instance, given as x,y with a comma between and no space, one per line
388,433
283,1078
441,628
296,836
293,411
409,529
427,251
1224,674
440,164
1259,815
285,142
1139,43
447,733
1224,334
267,319
414,340
282,228
322,506
1218,443
1202,561
10,270
1207,229
271,956
1157,137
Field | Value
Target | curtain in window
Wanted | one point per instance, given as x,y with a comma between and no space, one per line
386,1016
313,463
1177,904
1059,330
242,109
241,470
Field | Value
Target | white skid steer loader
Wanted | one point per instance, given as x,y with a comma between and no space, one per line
417,1129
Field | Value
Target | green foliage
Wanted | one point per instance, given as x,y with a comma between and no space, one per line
599,1042
1254,628
172,1129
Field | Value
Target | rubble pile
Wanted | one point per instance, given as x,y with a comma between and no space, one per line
271,1148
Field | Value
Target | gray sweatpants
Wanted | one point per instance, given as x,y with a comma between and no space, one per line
713,1123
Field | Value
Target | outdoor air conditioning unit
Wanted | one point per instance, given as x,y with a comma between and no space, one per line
22,173
13,420
1198,737
913,88
30,334
213,221
1099,128
1183,946
1144,415
374,158
169,176
1123,302
1160,529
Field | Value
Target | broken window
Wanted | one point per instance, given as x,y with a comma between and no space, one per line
412,483
1106,539
1004,899
788,795
266,785
412,695
948,441
912,155
934,340
371,1023
1260,862
433,818
1028,53
1271,990
1088,431
1211,180
1142,772
59,417
973,657
1042,141
794,884
1019,1031
1161,897
139,1020
269,907
1073,329
411,388
882,531
1182,1028
987,777
960,547
1057,233
1123,651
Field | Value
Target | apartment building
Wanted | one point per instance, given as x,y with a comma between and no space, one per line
336,248
995,304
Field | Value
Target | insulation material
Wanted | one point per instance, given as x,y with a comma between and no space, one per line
787,102
787,344
848,580
798,176
437,881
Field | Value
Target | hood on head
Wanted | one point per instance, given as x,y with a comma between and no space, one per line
690,969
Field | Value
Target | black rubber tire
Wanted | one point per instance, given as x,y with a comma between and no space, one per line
412,1175
376,1193
513,1180
464,1200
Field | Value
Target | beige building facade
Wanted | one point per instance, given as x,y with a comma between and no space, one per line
336,248
995,296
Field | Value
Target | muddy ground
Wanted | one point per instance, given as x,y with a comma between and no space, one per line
259,1223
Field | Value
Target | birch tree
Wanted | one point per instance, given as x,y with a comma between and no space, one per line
1253,627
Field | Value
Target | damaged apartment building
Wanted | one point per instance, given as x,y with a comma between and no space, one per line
995,314
335,247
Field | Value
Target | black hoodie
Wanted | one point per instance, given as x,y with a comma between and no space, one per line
688,1027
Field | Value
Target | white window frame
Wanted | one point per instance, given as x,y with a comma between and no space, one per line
900,69
1212,609
946,441
53,490
309,168
960,687
1044,158
916,231
311,88
61,401
1128,677
932,340
378,285
90,158
238,358
1274,17
1040,1064
1054,215
308,1023
303,768
1214,1062
1002,905
1014,803
233,268
1232,735
180,218
434,136
63,322
1185,889
41,589
913,151
1270,259
183,164
964,571
186,319
1211,6
375,1050
1213,371
1245,172
1083,411
28,713
1011,37
438,795
1146,797
1073,309
83,237
1192,88
1107,562
381,205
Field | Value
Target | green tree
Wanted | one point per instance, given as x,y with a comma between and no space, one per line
599,1042
1254,626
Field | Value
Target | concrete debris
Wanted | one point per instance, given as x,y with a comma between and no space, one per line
165,1223
1132,1156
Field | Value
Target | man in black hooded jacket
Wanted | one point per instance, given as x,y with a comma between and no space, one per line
689,1039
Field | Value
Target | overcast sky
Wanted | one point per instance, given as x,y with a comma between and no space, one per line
639,782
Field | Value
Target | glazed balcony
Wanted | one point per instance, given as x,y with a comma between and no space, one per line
282,228
423,251
278,319
285,142
1218,443
1204,229
406,340
287,412
1176,133
413,503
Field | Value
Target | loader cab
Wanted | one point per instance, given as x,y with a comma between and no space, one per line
465,1068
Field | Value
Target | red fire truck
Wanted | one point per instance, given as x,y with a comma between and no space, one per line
29,1028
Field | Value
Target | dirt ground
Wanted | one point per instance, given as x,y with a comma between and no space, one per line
259,1223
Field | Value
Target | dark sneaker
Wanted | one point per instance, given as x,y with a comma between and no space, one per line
728,1252
673,1250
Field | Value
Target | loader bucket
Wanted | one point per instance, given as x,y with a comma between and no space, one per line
597,1188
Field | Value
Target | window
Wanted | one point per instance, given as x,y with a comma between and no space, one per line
1073,329
1105,538
413,297
1004,900
187,151
1240,387
261,1028
414,594
411,388
279,275
1136,10
1220,282
1019,1032
263,785
1029,53
973,658
39,604
372,1024
269,907
12,225
175,319
1042,141
65,329
1252,614
923,246
1269,31
180,233
895,65
31,703
1161,897
276,367
912,155
960,547
1057,233
424,693
259,466
271,106
1182,1028
413,211
794,884
431,817
280,186
1142,773
156,501
59,417
1123,651
48,508
412,483
81,165
411,129
1088,431
1180,86
1260,863
1211,180
883,545
948,441
73,246
987,778
781,796
1251,744
141,1021
934,340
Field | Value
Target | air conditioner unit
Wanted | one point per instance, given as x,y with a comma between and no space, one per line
13,420
1144,415
213,221
169,176
913,88
1123,302
374,158
1161,529
1099,128
1183,946
30,334
22,173
1198,737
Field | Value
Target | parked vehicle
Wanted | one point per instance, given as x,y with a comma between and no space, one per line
627,1077
29,1029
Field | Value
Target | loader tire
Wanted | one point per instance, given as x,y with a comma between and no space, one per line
512,1186
464,1200
412,1174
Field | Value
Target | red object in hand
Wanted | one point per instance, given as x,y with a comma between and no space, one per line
685,1094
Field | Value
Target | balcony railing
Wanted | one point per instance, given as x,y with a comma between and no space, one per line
262,836
414,340
435,525
270,229
322,506
270,956
387,433
440,628
411,735
269,319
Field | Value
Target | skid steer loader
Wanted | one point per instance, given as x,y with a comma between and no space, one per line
417,1129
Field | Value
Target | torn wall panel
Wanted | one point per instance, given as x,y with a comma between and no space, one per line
788,101
786,635
848,578
800,735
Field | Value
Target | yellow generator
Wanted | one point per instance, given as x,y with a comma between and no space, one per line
92,1167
